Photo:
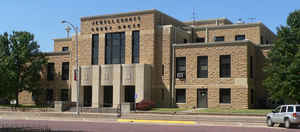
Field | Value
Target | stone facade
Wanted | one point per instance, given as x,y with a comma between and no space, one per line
162,39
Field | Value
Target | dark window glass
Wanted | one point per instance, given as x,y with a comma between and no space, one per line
180,66
162,94
290,109
202,67
225,66
180,96
64,94
261,39
115,48
185,41
49,94
162,69
135,46
200,40
65,71
283,109
297,108
50,71
225,95
240,37
252,96
219,38
65,49
95,49
251,66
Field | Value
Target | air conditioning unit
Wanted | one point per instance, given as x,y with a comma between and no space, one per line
180,75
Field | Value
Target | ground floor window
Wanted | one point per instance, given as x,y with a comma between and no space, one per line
64,94
180,96
50,95
225,95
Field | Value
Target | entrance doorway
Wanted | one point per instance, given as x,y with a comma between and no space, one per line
129,94
108,96
87,96
202,98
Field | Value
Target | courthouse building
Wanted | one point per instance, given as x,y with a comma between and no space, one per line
148,55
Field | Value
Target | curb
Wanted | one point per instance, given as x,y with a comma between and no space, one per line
157,121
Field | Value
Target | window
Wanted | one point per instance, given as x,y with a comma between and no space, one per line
251,66
252,96
200,40
180,66
290,109
297,108
261,39
180,95
65,49
225,95
240,37
162,70
162,94
283,109
65,71
50,71
277,109
219,38
135,46
49,94
64,94
95,49
185,41
225,66
202,67
115,48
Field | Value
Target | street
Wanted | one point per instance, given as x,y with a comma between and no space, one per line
85,126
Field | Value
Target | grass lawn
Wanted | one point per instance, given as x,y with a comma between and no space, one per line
234,111
168,109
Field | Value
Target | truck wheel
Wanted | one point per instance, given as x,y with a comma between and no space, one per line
287,123
270,123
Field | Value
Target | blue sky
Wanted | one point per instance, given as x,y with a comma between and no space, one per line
43,17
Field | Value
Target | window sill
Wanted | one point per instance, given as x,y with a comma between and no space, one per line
225,103
181,103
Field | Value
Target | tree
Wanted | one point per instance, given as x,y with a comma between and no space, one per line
21,63
283,63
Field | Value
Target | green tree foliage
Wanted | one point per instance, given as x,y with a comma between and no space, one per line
21,63
283,62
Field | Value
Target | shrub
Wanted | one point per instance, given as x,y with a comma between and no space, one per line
145,105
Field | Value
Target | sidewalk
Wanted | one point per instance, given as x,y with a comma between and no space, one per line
136,118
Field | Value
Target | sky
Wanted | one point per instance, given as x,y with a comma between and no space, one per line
43,17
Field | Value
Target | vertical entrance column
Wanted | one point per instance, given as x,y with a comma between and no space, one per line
97,92
118,90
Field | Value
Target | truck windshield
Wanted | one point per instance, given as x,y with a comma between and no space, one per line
297,108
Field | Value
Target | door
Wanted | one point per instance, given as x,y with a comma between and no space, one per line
129,94
108,96
202,98
87,96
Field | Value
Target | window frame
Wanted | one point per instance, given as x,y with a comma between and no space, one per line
177,66
240,36
95,49
225,66
65,91
65,48
221,96
135,47
65,71
111,42
219,38
178,101
204,60
50,74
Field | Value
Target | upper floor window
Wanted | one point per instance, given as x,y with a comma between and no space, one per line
135,46
225,66
219,38
202,67
50,71
65,48
240,37
115,48
180,67
200,39
251,66
65,71
95,49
